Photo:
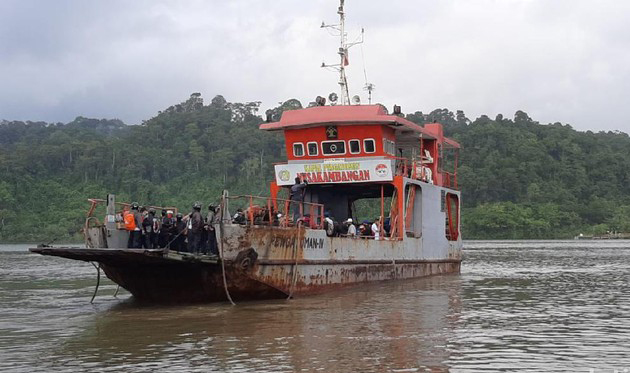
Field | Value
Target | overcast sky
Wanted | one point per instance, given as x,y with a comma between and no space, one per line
558,60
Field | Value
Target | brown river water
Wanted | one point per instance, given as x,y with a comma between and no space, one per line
529,306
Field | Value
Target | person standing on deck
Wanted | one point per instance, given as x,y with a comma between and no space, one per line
179,230
142,216
195,229
167,228
297,197
212,237
376,228
352,229
135,234
239,217
130,224
329,225
150,227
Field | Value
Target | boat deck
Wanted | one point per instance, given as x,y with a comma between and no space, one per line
112,256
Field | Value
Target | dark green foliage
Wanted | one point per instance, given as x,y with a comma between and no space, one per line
519,179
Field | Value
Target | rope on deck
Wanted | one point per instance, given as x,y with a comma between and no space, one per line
98,280
225,287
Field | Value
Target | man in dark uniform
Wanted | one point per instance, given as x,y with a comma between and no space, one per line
137,215
166,229
212,237
150,227
195,229
179,231
297,197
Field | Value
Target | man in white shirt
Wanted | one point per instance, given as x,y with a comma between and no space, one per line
376,230
329,225
352,230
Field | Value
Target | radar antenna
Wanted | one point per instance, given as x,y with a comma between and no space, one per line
344,96
369,87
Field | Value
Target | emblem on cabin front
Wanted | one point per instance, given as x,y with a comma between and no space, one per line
381,170
284,175
331,132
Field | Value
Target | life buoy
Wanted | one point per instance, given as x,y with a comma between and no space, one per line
130,221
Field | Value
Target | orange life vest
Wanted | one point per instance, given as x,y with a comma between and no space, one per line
130,221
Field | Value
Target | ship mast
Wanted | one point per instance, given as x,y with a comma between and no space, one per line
344,96
343,54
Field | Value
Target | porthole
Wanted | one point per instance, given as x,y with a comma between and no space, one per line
369,146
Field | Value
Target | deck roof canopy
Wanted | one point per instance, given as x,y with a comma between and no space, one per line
354,115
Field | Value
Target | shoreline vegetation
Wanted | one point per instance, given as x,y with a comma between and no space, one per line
520,179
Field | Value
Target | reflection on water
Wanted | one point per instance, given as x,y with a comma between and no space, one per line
529,305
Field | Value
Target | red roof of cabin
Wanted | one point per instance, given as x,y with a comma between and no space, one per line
348,115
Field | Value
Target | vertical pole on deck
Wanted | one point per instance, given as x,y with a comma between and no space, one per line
301,211
321,217
274,190
399,184
382,225
250,213
311,211
421,156
414,162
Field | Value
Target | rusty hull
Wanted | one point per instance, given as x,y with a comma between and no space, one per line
302,261
264,263
159,277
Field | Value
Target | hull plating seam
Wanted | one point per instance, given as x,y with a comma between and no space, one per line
360,262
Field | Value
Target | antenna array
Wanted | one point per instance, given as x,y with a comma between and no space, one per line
344,96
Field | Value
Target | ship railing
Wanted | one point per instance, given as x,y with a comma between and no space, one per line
449,179
280,212
94,202
413,169
403,166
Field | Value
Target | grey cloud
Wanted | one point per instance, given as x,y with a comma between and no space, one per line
562,60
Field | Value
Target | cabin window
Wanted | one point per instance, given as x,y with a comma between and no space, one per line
389,146
312,148
413,210
368,146
452,216
355,146
333,147
298,149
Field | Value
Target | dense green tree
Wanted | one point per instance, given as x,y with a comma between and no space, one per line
519,178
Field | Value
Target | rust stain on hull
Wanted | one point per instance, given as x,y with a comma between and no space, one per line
319,278
203,283
154,277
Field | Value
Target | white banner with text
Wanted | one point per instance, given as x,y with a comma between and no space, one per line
335,171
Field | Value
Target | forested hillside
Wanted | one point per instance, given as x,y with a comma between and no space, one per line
519,179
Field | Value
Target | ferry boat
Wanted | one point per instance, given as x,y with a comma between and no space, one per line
348,154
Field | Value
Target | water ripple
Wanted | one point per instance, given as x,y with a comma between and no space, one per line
518,305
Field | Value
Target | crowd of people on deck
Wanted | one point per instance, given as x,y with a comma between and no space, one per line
194,233
348,228
191,233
